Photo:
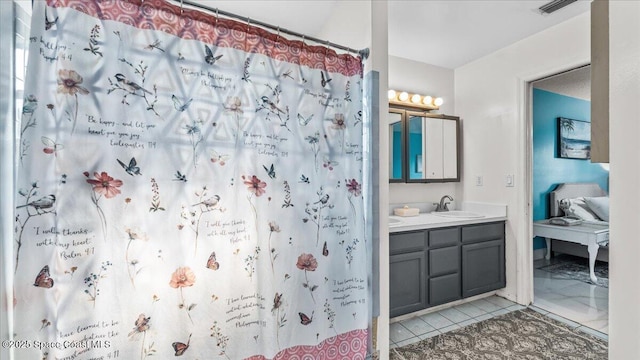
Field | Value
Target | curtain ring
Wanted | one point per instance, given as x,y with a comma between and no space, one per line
278,35
216,16
181,10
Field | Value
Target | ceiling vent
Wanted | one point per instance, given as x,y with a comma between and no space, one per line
554,5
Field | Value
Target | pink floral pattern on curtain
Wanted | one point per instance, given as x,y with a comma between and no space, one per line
187,186
218,31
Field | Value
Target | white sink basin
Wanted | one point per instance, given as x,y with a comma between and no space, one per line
458,214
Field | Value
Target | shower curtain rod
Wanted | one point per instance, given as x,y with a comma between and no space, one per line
364,53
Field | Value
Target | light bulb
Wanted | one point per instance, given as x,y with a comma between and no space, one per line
403,96
391,94
427,100
415,99
438,101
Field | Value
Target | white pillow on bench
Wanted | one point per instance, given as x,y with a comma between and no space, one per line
579,208
599,205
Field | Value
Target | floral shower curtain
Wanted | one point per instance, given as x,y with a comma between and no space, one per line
188,186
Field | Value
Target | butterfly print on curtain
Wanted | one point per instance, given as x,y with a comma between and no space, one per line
138,96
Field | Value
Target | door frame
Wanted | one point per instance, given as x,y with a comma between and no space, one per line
524,248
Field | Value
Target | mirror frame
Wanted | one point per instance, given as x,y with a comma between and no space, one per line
403,146
406,113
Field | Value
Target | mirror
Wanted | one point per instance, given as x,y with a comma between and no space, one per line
416,160
396,146
423,147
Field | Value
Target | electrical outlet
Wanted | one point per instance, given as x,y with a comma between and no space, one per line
509,181
479,180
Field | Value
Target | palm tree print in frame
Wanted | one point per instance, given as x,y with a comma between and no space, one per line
574,139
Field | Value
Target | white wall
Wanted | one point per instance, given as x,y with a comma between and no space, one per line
624,84
489,96
417,77
421,78
349,24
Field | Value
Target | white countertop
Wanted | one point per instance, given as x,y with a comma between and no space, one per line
489,212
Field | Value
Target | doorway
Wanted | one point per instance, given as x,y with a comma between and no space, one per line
562,287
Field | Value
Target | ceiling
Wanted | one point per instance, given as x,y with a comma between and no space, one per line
446,33
575,83
455,32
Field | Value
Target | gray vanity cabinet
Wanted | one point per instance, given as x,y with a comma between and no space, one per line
437,266
483,258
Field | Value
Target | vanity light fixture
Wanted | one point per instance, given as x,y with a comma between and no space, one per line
414,100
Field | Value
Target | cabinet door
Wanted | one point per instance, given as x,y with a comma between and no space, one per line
433,143
482,267
407,283
450,149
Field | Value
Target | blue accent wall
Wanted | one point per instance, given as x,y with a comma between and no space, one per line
415,149
549,169
397,151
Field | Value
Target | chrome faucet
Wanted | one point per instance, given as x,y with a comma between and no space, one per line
442,206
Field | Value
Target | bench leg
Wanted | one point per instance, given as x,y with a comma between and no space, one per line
548,256
593,252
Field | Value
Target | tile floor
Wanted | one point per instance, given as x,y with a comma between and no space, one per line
422,327
574,303
584,304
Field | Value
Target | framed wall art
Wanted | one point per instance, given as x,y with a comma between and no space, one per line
574,139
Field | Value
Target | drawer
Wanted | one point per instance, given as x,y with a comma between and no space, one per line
444,237
444,261
483,232
444,289
407,242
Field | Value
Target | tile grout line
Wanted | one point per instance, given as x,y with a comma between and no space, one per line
416,338
456,323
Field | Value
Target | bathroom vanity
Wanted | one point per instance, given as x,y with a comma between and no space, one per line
438,259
